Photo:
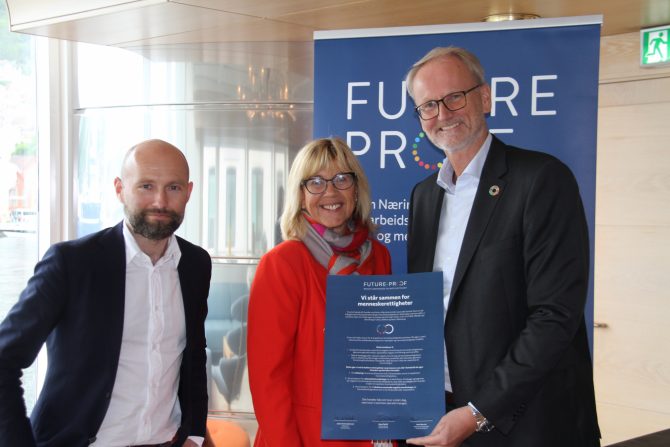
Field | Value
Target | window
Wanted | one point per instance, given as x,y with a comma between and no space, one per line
18,173
226,331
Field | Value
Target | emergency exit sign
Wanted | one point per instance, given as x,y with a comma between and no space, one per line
654,46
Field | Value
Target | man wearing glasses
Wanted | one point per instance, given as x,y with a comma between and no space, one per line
506,227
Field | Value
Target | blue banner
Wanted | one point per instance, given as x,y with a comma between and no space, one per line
544,79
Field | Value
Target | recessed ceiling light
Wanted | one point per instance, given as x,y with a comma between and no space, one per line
509,16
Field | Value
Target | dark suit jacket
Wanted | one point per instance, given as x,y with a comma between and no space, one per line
75,302
515,333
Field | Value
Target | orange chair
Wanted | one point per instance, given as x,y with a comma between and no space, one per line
221,433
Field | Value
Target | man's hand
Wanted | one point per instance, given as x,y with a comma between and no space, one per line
454,428
190,443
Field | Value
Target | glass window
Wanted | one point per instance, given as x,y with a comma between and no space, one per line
238,144
18,173
226,330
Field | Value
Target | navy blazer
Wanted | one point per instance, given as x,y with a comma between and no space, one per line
515,333
75,302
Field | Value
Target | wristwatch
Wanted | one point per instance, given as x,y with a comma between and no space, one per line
483,424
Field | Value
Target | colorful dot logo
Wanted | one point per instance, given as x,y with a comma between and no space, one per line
417,158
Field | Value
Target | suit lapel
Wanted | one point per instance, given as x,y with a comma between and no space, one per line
184,282
489,192
112,293
114,265
433,210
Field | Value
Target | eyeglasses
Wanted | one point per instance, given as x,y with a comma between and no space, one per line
453,101
318,184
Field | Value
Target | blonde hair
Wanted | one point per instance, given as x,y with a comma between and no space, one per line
470,60
313,157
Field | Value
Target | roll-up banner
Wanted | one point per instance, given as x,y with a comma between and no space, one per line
544,83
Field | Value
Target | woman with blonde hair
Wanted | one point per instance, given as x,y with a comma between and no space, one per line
327,230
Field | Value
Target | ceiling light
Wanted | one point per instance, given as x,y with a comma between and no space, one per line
509,16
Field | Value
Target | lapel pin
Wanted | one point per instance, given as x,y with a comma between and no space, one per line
494,190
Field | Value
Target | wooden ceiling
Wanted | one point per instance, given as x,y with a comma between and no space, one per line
156,22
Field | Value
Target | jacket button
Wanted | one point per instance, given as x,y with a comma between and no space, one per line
92,440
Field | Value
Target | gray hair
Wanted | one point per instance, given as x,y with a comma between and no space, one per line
470,60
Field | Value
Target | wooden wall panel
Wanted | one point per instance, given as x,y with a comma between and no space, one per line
632,254
633,164
620,60
620,418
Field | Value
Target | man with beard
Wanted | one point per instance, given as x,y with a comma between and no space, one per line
506,228
122,313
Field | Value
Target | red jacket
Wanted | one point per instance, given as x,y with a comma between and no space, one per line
287,319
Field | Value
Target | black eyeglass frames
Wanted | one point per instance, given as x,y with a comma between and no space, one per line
318,184
453,101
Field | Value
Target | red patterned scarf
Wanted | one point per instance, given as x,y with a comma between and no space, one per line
339,254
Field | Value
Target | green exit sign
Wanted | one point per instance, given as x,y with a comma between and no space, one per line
654,46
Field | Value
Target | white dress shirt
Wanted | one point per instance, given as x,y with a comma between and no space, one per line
144,408
456,206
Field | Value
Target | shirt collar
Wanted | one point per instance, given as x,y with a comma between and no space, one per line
172,252
474,169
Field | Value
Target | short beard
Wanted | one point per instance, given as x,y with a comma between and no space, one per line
463,145
450,150
154,231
